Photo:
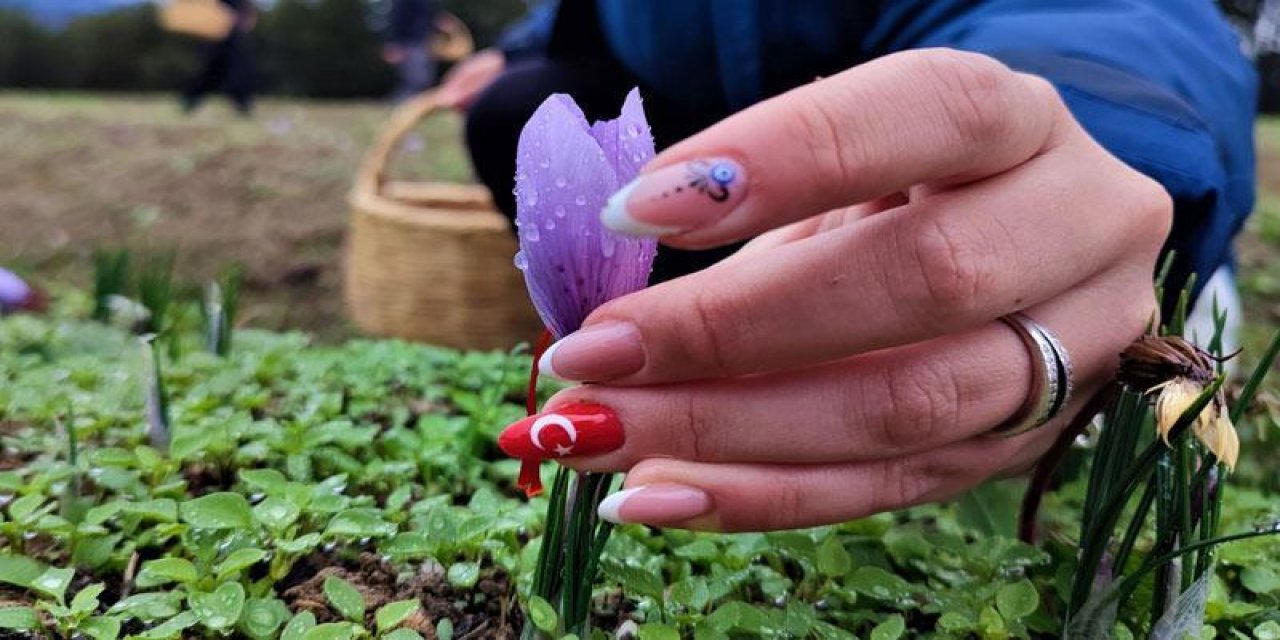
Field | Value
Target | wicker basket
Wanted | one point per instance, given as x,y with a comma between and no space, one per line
204,19
431,262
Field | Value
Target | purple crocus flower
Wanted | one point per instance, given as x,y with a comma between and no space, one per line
565,172
15,294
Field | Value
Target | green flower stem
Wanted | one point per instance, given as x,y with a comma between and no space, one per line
1094,542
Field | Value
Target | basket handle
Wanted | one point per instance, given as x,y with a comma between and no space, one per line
373,171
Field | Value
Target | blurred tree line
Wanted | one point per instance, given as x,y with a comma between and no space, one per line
316,48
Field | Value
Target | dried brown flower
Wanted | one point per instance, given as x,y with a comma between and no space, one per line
1176,372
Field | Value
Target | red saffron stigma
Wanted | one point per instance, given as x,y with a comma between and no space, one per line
530,478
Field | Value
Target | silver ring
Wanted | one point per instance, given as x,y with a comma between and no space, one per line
1052,377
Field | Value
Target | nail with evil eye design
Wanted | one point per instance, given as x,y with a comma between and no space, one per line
677,199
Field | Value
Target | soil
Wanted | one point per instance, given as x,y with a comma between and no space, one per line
89,172
487,612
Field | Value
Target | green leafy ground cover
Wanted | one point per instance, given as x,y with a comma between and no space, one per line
372,463
355,490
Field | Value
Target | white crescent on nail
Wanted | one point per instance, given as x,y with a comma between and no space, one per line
553,419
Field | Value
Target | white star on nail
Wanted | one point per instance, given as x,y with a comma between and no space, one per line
562,450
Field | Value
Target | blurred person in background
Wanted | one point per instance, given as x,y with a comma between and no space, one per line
409,29
228,64
925,187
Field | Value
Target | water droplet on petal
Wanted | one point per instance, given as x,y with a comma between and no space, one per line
633,131
608,245
521,261
531,233
545,164
581,200
550,224
531,199
561,182
560,212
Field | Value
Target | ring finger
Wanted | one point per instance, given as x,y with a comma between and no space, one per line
878,405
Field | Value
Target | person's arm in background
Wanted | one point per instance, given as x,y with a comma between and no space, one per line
527,37
1161,84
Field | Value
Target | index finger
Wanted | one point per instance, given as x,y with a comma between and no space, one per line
927,116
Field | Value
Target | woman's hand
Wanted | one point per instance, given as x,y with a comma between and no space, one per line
469,78
849,359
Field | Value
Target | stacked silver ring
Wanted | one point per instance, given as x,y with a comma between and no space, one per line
1051,383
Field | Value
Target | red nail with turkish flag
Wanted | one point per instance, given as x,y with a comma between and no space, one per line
578,429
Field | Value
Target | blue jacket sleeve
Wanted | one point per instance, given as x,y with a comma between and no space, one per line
532,33
1160,83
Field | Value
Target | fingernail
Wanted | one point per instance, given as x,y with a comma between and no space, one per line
655,504
599,352
578,429
677,198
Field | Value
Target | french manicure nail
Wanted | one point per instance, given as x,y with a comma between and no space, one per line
577,429
599,352
655,504
678,198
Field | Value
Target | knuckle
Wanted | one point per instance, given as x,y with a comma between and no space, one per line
901,484
978,94
1151,207
708,332
787,506
953,267
923,399
822,125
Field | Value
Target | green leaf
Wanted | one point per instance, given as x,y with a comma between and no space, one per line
171,628
165,570
54,582
161,510
738,616
992,508
410,634
410,545
101,627
263,616
345,598
20,571
221,608
276,513
658,632
218,511
878,583
542,615
692,592
86,600
390,615
444,629
25,508
636,581
94,551
891,629
1269,630
1260,579
1018,600
268,481
464,575
19,619
149,607
300,545
298,627
330,631
359,523
833,560
237,561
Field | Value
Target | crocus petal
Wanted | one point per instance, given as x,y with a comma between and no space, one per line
13,291
564,176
